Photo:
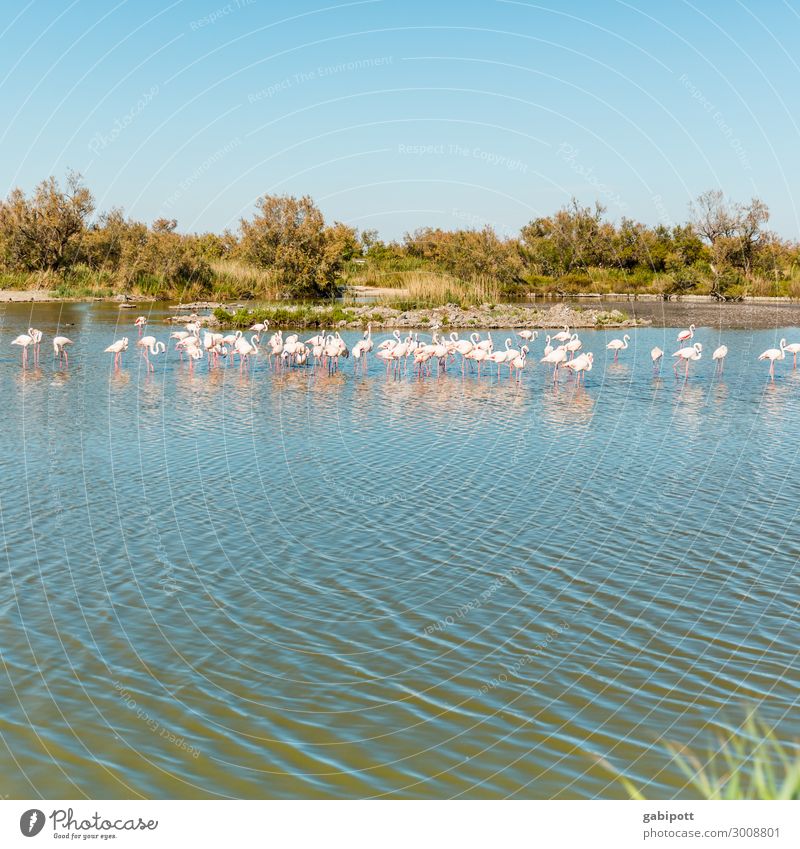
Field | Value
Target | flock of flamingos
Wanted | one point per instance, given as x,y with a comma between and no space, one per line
325,350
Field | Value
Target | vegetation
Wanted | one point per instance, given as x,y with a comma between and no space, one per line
289,315
749,763
53,239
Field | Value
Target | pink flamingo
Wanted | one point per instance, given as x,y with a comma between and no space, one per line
655,355
116,348
580,365
694,352
617,345
59,348
794,349
686,335
149,343
555,358
719,357
140,322
773,354
23,340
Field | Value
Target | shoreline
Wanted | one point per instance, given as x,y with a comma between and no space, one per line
12,296
587,311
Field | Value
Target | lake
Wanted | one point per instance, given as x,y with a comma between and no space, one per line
291,584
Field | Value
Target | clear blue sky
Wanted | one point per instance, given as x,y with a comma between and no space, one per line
395,114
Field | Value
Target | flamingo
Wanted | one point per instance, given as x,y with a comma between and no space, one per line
140,322
693,352
548,348
773,354
794,348
390,343
518,362
116,348
655,355
478,355
564,335
36,335
555,358
23,340
246,349
260,326
422,356
580,365
617,345
363,347
487,344
573,345
719,356
387,355
686,335
149,343
528,335
59,347
191,345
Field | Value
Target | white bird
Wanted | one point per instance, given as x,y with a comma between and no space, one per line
149,344
518,362
555,358
246,349
581,364
685,335
260,326
564,335
694,352
655,355
548,348
390,343
116,348
719,355
773,354
363,347
794,348
573,345
23,340
528,335
617,345
59,347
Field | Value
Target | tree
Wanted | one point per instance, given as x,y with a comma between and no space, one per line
287,235
574,238
43,232
734,231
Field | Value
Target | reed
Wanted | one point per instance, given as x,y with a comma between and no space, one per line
747,763
430,289
234,279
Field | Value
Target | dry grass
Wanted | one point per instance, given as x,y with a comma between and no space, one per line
427,289
237,279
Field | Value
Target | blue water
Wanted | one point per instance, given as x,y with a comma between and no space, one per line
299,585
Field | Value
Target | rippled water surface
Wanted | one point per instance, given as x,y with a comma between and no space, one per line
283,585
